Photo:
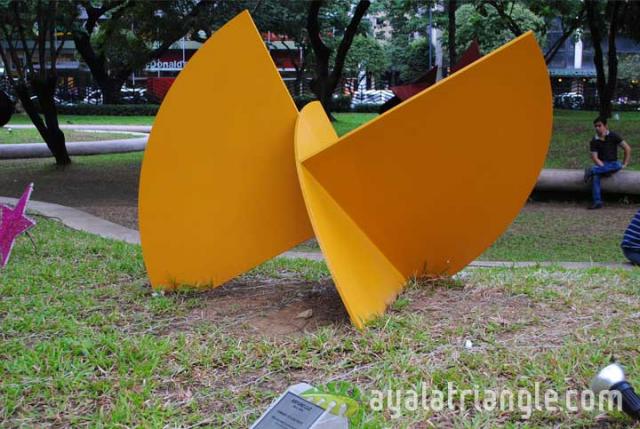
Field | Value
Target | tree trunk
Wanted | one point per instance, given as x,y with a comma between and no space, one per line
7,108
612,78
110,81
596,40
606,86
323,89
111,90
49,129
325,81
109,86
452,32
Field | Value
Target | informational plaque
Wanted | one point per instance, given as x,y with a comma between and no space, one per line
290,412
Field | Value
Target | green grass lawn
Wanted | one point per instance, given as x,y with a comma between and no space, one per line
555,233
346,122
85,343
572,131
12,136
563,232
545,232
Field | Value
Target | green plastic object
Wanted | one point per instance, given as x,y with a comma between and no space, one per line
325,399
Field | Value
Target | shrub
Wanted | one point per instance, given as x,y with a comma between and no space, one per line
110,109
366,108
341,103
302,100
626,107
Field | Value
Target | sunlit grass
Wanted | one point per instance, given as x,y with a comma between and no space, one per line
85,342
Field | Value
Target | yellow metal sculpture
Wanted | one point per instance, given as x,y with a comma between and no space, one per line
422,189
218,188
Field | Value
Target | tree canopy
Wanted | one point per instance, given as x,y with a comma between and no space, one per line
122,36
485,24
629,67
367,56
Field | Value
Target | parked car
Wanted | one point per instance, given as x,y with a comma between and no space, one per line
569,100
58,101
127,95
93,97
134,95
371,96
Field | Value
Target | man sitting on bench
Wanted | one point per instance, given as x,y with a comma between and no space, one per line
604,153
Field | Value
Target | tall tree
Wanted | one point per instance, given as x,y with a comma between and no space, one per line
408,49
366,59
327,76
605,19
485,25
29,47
451,24
122,36
570,13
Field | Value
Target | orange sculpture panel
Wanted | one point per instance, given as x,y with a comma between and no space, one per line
234,175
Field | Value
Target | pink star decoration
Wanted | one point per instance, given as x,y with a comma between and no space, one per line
13,223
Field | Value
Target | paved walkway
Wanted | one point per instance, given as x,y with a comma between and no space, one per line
317,256
79,220
83,221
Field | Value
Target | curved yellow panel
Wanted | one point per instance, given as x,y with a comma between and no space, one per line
218,188
365,279
426,187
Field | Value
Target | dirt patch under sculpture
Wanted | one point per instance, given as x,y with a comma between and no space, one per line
271,308
285,308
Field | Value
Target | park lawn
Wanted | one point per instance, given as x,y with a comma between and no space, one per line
550,232
12,136
544,232
85,343
541,232
346,122
572,131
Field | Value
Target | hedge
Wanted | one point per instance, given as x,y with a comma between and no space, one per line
341,103
630,107
302,100
110,109
366,108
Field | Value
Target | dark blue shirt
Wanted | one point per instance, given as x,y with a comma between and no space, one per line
631,239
